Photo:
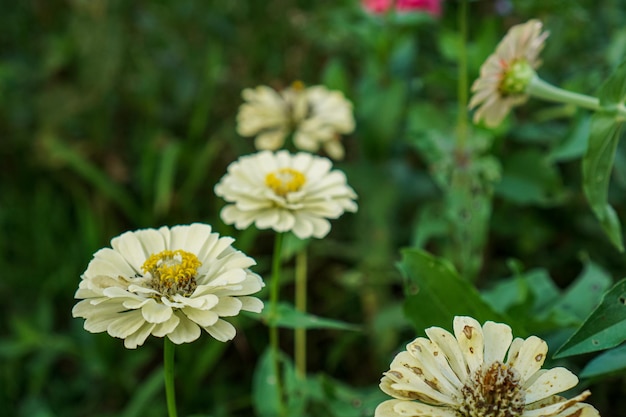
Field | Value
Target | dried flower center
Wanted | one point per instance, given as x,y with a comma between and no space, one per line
173,272
494,391
285,180
516,77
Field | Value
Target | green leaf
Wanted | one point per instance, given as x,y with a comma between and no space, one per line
436,293
600,156
597,167
287,316
604,328
265,395
611,361
613,90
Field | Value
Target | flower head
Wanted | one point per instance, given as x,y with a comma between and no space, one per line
315,115
167,282
467,375
506,73
285,192
432,7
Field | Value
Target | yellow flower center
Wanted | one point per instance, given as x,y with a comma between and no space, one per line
173,272
493,391
285,181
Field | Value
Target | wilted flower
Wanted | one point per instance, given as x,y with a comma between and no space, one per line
506,73
168,283
466,374
432,7
315,115
285,192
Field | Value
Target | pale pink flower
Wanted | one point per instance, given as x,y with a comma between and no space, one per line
432,7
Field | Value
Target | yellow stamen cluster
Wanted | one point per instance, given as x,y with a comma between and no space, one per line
285,180
173,272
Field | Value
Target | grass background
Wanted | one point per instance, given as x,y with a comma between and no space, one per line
121,115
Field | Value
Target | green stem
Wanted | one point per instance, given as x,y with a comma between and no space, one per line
543,90
301,295
168,373
462,85
274,341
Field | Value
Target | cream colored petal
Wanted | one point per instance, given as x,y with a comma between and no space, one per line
154,312
204,318
222,331
126,324
435,367
469,334
551,382
334,149
513,353
186,331
270,140
129,246
227,306
579,410
498,338
532,354
450,347
139,337
151,240
561,408
251,304
162,329
233,276
110,263
385,409
415,409
406,383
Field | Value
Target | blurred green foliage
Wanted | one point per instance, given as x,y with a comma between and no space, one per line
120,115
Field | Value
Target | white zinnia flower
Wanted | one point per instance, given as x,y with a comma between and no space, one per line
315,115
167,282
506,73
285,192
466,375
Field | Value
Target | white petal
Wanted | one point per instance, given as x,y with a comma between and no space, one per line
549,383
561,408
498,338
186,331
469,334
204,318
412,409
162,329
139,337
155,312
251,304
450,347
126,324
222,331
532,354
227,306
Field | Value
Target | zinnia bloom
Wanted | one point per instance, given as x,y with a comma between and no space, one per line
168,283
432,7
466,375
315,115
506,73
285,192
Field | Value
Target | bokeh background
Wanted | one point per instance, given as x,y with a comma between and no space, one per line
119,115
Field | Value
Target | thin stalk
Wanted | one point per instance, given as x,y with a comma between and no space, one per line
546,91
274,341
462,85
168,373
301,296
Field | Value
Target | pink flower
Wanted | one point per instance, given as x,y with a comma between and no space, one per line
432,7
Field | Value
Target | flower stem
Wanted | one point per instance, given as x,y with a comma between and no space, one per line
274,341
301,295
462,89
546,91
168,373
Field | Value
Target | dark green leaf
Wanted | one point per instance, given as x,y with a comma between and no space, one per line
611,361
604,328
597,167
613,90
288,317
436,293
